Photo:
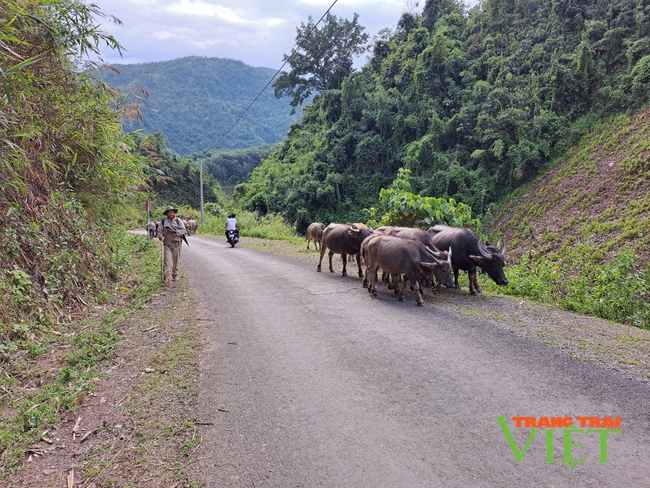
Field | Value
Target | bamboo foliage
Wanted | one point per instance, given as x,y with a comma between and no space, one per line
65,169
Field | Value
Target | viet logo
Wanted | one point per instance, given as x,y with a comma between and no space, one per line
567,430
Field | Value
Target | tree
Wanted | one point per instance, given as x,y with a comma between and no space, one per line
322,59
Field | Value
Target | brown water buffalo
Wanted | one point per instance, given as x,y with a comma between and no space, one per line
421,236
343,239
191,226
315,233
397,257
152,229
469,253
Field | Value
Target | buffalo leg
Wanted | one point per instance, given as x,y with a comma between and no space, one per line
476,287
366,275
472,282
385,279
373,279
418,296
331,254
359,263
320,261
456,279
344,257
399,287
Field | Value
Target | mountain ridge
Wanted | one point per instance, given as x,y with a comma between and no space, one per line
197,102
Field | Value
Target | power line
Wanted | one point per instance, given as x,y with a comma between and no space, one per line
276,73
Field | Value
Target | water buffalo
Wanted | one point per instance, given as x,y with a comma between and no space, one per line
469,253
151,229
423,238
414,234
397,257
343,239
315,233
191,226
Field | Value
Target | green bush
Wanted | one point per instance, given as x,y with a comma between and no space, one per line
401,207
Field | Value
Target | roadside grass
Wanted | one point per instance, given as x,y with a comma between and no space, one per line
159,437
270,226
574,280
46,375
574,244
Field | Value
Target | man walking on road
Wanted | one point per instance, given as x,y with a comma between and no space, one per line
173,230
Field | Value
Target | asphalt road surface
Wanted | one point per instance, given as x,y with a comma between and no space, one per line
307,381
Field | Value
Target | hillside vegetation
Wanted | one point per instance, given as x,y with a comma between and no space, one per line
69,179
596,199
474,104
231,167
67,171
195,100
578,235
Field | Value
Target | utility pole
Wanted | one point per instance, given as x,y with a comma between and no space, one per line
201,183
148,213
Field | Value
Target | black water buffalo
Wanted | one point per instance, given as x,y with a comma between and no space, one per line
398,256
469,253
315,233
343,239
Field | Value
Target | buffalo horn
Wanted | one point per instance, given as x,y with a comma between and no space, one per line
501,250
354,229
449,255
434,255
484,252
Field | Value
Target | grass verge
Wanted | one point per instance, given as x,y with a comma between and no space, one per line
81,396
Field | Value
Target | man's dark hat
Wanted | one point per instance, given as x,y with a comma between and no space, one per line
171,207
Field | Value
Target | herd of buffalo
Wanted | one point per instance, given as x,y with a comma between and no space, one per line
413,255
154,228
404,254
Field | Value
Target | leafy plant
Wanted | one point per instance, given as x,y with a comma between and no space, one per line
401,207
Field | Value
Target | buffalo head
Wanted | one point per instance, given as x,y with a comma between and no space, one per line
492,260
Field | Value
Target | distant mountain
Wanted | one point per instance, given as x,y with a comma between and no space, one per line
195,100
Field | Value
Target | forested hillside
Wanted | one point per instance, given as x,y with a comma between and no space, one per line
195,100
234,166
172,179
474,103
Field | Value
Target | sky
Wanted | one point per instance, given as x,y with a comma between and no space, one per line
257,32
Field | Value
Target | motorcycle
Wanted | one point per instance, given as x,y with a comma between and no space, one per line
233,237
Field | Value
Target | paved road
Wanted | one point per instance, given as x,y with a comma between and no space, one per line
307,381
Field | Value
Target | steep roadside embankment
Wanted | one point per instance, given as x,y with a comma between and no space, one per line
599,197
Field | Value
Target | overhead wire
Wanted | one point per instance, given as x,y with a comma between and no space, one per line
276,73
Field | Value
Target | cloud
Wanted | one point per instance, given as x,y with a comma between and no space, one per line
257,32
203,9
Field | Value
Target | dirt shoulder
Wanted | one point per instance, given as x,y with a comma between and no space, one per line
139,428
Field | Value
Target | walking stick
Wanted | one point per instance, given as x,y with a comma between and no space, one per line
162,261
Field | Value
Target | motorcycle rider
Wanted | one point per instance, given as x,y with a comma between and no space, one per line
232,224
